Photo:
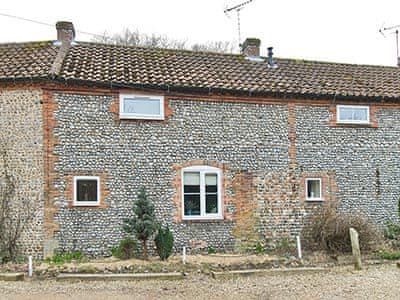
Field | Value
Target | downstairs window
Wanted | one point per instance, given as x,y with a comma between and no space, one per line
314,189
86,190
202,197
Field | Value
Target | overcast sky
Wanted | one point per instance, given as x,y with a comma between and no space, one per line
339,31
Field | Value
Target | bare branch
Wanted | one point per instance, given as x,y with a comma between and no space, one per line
129,37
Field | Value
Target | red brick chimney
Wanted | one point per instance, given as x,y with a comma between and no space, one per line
65,33
251,47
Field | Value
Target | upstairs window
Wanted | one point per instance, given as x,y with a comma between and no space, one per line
352,114
133,106
86,190
313,189
201,193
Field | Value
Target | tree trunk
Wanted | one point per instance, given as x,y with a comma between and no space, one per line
144,245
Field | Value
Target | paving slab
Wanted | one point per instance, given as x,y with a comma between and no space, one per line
12,276
271,272
111,277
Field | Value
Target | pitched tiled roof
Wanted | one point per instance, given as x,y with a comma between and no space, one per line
160,68
26,60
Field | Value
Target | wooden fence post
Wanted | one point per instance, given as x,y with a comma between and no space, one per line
355,247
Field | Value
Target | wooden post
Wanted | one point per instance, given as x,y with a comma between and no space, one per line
184,255
355,247
298,243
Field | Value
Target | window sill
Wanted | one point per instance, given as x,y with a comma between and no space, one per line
88,206
315,200
141,117
354,125
202,219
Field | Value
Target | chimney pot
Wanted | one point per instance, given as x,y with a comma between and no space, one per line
65,33
251,47
271,63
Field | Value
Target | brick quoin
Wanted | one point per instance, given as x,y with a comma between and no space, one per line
50,159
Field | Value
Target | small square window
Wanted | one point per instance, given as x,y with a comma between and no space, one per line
313,189
352,114
86,191
134,106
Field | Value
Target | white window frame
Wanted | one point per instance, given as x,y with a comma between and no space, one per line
203,170
320,189
86,203
124,115
340,121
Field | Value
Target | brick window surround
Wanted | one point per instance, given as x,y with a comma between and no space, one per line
177,183
115,109
328,187
373,123
104,192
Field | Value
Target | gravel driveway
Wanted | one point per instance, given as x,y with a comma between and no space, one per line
376,282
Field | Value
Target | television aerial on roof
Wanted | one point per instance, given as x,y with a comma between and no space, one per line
237,8
393,30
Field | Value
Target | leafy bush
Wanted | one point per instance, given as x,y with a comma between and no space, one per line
392,231
67,257
259,248
126,249
327,229
143,224
211,250
164,241
386,254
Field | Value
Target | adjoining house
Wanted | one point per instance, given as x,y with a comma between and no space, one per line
232,149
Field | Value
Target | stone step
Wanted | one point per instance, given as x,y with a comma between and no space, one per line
12,276
270,272
127,276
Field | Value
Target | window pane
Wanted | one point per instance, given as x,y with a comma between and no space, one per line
192,205
191,181
142,106
211,183
211,204
86,190
353,113
313,189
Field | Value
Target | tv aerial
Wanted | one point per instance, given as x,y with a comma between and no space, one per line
237,8
393,30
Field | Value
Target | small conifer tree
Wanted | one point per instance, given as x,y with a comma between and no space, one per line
143,224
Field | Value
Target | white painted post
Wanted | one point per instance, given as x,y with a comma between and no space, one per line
184,255
30,266
299,254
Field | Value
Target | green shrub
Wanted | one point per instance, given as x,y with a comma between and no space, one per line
392,231
67,257
211,250
164,241
259,249
126,249
327,229
392,255
143,224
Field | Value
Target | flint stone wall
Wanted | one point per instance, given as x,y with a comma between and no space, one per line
251,139
21,150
